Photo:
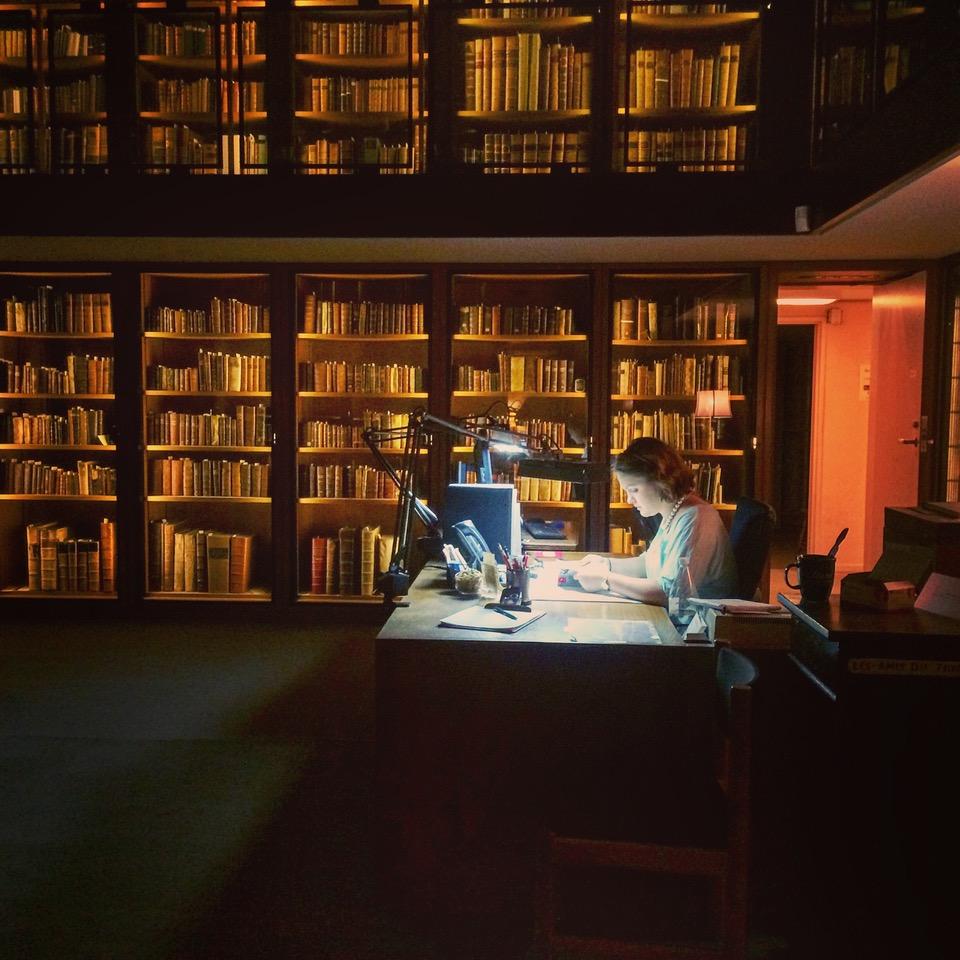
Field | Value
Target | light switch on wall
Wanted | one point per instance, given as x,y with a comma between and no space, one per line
864,381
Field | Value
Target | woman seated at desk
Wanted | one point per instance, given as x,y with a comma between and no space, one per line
657,481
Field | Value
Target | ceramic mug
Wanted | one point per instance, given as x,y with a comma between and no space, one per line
815,573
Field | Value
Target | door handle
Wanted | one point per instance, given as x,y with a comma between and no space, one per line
921,441
910,441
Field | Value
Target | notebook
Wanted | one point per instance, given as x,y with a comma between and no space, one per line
490,618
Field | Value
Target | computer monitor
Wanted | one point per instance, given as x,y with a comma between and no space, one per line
493,508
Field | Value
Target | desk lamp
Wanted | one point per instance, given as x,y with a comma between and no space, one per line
712,405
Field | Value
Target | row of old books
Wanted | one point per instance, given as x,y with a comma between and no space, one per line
83,374
86,95
177,143
48,311
696,149
352,480
185,559
36,477
349,432
360,317
677,376
540,490
680,430
15,147
58,561
676,318
523,72
707,481
349,561
521,372
532,9
667,79
214,372
530,151
358,38
183,477
81,146
338,156
13,43
79,427
191,39
496,319
339,376
360,94
68,42
225,315
551,433
202,95
622,541
250,427
845,77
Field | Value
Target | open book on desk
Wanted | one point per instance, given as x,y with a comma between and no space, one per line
491,617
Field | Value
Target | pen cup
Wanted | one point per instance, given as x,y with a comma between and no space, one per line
519,581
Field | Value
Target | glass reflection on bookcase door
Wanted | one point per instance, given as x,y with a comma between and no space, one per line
360,87
524,86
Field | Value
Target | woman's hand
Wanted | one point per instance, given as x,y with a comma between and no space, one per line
593,560
592,577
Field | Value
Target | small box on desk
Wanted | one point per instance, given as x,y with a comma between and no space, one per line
865,590
749,631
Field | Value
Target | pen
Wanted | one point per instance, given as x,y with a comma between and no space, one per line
506,613
506,556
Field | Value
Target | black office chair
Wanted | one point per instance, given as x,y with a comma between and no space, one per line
750,534
693,827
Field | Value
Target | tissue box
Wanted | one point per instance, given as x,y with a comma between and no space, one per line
863,590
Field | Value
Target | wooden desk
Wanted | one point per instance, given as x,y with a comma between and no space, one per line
479,735
875,731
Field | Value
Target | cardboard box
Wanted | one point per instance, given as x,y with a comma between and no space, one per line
866,590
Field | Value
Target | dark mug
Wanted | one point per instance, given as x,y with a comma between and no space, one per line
815,572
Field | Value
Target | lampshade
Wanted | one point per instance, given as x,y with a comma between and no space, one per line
713,403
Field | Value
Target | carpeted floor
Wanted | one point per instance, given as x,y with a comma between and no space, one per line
195,792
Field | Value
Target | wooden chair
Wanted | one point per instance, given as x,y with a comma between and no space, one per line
697,826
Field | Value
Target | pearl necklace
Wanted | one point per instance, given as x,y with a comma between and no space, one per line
673,513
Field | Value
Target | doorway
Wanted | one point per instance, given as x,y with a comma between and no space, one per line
849,378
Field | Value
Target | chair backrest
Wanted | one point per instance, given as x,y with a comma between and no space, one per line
750,534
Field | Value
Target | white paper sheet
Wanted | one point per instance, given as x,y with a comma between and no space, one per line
544,587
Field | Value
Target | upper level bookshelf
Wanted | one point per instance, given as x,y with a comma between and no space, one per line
58,436
867,50
527,74
53,115
208,435
688,87
360,87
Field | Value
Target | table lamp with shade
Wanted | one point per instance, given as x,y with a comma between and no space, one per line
713,405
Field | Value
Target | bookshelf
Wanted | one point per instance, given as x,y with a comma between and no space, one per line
362,354
207,436
53,115
672,334
58,436
866,50
360,87
520,355
687,86
526,75
201,90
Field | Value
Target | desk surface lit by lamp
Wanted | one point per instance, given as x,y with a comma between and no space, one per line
479,734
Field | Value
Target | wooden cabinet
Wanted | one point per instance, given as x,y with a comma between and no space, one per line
687,86
58,450
520,356
362,349
674,334
526,74
208,436
360,87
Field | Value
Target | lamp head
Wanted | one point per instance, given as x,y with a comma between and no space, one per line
713,403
